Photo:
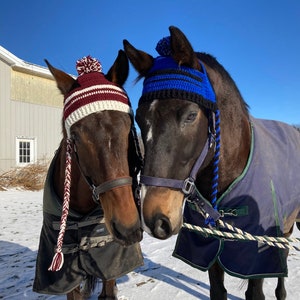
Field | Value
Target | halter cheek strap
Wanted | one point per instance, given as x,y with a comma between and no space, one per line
187,185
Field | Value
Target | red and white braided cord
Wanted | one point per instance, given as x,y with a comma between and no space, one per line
58,259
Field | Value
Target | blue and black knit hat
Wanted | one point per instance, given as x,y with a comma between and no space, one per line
166,79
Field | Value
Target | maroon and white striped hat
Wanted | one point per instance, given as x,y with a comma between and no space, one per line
95,93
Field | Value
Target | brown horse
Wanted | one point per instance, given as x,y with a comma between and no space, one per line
99,145
203,146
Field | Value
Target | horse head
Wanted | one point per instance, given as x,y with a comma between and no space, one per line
98,125
183,95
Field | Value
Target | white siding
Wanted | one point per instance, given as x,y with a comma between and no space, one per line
27,119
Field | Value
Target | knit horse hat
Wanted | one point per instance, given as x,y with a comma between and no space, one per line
95,93
168,80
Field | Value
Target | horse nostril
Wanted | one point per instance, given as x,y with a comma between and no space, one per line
162,228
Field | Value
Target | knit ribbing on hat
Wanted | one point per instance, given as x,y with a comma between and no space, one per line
167,80
94,99
95,94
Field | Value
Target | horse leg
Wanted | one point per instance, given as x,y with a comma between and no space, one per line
75,294
255,289
109,290
280,291
216,279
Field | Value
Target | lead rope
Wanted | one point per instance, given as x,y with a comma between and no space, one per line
238,234
58,258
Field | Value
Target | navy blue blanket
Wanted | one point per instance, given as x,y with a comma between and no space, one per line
261,201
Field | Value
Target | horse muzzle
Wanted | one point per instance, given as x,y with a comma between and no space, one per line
161,211
124,236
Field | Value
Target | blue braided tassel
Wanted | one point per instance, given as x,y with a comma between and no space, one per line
215,179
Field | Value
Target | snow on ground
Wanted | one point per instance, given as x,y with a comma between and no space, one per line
161,278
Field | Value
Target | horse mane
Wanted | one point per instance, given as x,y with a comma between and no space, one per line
212,62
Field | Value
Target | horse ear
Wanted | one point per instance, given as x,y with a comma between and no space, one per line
182,51
118,72
140,60
64,81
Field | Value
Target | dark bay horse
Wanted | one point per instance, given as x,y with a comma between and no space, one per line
203,149
89,208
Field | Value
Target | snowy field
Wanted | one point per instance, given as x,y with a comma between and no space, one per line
161,278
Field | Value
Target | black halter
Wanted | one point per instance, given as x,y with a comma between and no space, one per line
117,182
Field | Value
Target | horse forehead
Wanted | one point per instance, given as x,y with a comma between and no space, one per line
104,126
149,121
151,111
155,115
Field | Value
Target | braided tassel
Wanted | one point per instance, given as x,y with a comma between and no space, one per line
215,179
58,259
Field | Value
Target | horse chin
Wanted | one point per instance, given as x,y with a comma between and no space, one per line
126,237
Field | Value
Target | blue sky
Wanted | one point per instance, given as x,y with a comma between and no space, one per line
257,41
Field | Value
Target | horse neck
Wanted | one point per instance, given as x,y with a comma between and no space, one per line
234,151
80,193
236,144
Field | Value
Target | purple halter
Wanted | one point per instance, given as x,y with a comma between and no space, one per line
187,185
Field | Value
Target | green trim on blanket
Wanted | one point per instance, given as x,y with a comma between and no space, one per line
243,174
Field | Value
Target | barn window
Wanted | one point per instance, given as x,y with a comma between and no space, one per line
25,151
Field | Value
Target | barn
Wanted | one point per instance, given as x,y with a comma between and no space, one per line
30,113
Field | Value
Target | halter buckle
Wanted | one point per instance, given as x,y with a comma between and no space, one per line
188,186
95,195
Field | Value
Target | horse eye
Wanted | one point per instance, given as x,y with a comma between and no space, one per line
74,136
191,117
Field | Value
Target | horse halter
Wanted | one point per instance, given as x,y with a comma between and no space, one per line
117,182
187,186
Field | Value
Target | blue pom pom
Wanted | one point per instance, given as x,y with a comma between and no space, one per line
163,47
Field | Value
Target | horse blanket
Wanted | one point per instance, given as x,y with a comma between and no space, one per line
259,201
88,248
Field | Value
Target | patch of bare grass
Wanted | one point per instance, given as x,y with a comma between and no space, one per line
30,177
